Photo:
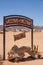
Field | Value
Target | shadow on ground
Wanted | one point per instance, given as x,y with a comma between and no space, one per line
25,59
1,63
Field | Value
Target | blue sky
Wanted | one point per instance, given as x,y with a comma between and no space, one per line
30,8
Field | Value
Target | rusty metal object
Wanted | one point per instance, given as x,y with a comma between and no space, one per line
18,53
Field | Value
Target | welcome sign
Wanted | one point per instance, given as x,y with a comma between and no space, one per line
18,20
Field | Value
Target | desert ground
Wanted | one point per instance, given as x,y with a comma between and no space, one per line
37,40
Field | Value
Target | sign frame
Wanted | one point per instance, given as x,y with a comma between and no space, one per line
17,24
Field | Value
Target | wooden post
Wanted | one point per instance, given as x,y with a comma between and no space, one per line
32,36
4,39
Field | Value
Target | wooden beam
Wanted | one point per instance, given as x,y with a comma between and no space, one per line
4,39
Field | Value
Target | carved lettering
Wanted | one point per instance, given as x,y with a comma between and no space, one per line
19,21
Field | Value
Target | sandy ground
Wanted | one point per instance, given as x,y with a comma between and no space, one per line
38,40
29,62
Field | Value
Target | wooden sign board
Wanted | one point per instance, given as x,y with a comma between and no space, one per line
19,36
22,21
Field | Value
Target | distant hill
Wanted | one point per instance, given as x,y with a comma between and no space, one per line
16,27
38,27
1,27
